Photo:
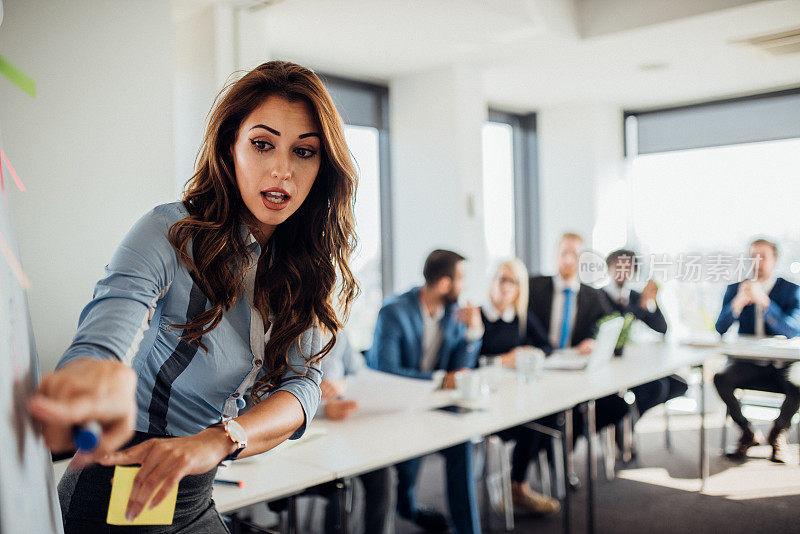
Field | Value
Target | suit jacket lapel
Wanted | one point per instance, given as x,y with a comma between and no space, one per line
416,322
547,304
775,289
580,307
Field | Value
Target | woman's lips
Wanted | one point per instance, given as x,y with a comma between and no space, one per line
275,199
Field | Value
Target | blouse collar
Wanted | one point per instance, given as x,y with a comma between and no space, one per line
508,315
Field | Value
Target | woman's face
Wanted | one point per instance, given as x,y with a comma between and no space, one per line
276,157
505,288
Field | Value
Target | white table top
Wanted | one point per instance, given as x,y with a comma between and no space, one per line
360,444
776,349
365,441
266,480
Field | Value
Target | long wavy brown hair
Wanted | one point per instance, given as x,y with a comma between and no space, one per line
296,274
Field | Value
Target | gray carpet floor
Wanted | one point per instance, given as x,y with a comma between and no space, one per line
661,493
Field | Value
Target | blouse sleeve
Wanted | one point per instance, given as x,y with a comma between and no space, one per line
301,378
113,323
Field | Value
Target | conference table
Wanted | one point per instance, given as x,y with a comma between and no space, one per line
361,444
334,451
774,349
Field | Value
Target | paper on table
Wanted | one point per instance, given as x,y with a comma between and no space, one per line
378,392
121,492
312,432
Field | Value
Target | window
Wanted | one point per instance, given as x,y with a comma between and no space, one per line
498,190
366,261
510,188
703,195
363,108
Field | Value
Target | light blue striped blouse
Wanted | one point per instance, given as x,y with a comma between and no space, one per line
182,389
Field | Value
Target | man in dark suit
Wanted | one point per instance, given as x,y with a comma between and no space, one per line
417,333
622,267
556,298
768,306
569,311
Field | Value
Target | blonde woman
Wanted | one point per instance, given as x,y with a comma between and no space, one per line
505,318
508,327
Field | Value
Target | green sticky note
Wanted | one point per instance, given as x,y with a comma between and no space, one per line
17,77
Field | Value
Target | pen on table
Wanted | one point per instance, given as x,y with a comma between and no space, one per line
239,483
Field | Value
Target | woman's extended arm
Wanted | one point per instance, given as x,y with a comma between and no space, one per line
93,380
112,324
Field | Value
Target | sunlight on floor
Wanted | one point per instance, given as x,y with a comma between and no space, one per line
758,478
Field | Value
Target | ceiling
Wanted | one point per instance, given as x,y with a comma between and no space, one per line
533,53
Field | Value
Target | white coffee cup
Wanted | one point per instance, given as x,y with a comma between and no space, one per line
468,385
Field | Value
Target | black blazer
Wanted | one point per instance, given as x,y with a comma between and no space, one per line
654,320
500,337
592,307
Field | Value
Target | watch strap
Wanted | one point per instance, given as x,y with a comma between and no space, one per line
232,456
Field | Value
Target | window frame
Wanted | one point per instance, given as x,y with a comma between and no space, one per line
376,96
732,110
527,207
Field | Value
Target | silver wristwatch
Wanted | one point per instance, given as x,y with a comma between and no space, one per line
237,435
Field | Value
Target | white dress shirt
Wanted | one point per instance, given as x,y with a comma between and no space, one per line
557,310
618,294
431,337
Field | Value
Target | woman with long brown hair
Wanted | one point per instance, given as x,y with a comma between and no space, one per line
230,292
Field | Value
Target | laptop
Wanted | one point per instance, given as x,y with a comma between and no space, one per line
570,360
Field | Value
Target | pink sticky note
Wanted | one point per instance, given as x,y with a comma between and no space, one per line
12,261
4,159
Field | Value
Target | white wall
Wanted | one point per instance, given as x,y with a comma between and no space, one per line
580,169
204,61
94,148
436,120
436,169
194,88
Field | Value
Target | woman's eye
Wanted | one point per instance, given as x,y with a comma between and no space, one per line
304,152
261,146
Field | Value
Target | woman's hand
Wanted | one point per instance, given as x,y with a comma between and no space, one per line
86,390
166,461
332,389
337,410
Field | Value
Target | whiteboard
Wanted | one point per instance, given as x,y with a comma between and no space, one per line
28,499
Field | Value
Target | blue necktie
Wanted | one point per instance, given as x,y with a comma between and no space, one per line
565,326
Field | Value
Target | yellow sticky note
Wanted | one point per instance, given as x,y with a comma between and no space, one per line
121,492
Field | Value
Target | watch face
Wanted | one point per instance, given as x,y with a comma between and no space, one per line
236,432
